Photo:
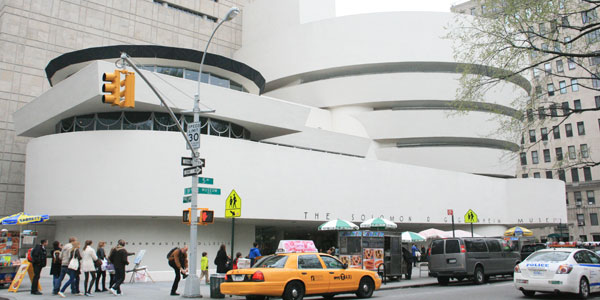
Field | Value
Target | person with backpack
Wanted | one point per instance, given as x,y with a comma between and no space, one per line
56,263
178,261
38,259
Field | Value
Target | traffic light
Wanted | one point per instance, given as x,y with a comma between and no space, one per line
186,216
206,217
113,88
129,91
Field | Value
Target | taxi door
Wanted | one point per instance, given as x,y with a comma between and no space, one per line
312,273
339,279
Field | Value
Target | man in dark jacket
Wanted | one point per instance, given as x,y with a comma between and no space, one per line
118,257
178,261
38,255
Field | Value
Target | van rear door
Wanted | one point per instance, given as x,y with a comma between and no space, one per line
454,258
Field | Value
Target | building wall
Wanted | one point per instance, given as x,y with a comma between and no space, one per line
34,32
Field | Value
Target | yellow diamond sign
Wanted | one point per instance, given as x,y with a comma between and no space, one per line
471,217
233,205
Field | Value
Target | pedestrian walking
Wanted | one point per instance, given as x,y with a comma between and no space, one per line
73,268
236,259
254,253
204,267
38,255
88,267
100,271
56,265
178,261
65,258
221,260
118,258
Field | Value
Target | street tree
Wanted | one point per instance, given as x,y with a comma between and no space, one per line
545,48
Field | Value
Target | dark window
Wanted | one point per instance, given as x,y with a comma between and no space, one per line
577,104
523,158
559,154
584,151
537,175
580,219
452,246
593,219
310,261
331,263
565,108
277,261
561,175
597,99
437,247
596,237
569,130
580,128
550,87
559,66
532,136
575,175
591,198
572,153
475,246
534,157
524,175
549,174
578,199
546,155
571,63
556,132
553,111
493,245
587,173
544,133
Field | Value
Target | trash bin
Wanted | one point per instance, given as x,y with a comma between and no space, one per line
215,285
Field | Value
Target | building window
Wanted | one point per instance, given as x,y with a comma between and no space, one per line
548,68
597,99
546,155
472,11
553,111
569,130
563,87
578,200
568,44
536,73
580,220
544,132
593,219
571,63
530,115
556,132
565,108
584,151
583,238
580,128
577,104
541,113
537,175
559,66
524,175
575,175
596,80
591,198
523,158
534,157
574,85
550,89
572,153
587,173
596,237
549,174
561,175
559,154
588,16
532,136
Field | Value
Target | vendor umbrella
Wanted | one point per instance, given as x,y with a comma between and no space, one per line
518,231
378,223
22,219
433,233
409,236
338,224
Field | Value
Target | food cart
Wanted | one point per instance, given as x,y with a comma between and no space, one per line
377,251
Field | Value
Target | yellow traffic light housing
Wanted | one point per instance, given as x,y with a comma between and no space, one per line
129,92
113,88
206,217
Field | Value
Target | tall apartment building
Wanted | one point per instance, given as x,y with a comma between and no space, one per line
34,32
554,146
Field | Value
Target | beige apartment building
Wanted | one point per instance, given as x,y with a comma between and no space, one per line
555,147
32,33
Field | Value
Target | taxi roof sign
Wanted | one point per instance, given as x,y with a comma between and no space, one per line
296,246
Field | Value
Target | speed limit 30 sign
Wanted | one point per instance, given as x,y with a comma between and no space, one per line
193,135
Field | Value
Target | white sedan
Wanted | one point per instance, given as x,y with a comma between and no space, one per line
559,270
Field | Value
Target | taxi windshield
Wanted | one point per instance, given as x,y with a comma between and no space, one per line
276,261
549,256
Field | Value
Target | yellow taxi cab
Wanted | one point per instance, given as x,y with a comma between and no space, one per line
295,275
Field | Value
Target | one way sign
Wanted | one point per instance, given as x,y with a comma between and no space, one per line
192,171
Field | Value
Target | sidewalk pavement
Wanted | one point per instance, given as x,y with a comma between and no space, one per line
162,289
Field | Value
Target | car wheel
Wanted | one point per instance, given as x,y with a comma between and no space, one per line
443,280
584,288
255,297
293,291
365,288
528,293
479,276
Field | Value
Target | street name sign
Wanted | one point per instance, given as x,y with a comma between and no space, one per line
187,199
205,180
192,171
233,205
203,190
193,135
471,217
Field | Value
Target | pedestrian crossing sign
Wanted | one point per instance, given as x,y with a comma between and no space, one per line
471,217
233,205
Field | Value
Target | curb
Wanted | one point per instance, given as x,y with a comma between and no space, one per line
383,288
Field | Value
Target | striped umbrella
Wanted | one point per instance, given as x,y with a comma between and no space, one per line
409,236
378,223
338,224
518,231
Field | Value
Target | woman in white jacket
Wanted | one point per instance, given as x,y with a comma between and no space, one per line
88,257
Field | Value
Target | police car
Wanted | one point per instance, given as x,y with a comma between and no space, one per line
558,270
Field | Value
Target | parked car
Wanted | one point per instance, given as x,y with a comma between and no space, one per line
559,270
474,258
527,249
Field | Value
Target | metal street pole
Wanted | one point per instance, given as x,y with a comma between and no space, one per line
192,282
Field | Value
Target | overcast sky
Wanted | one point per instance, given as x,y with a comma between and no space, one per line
352,7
